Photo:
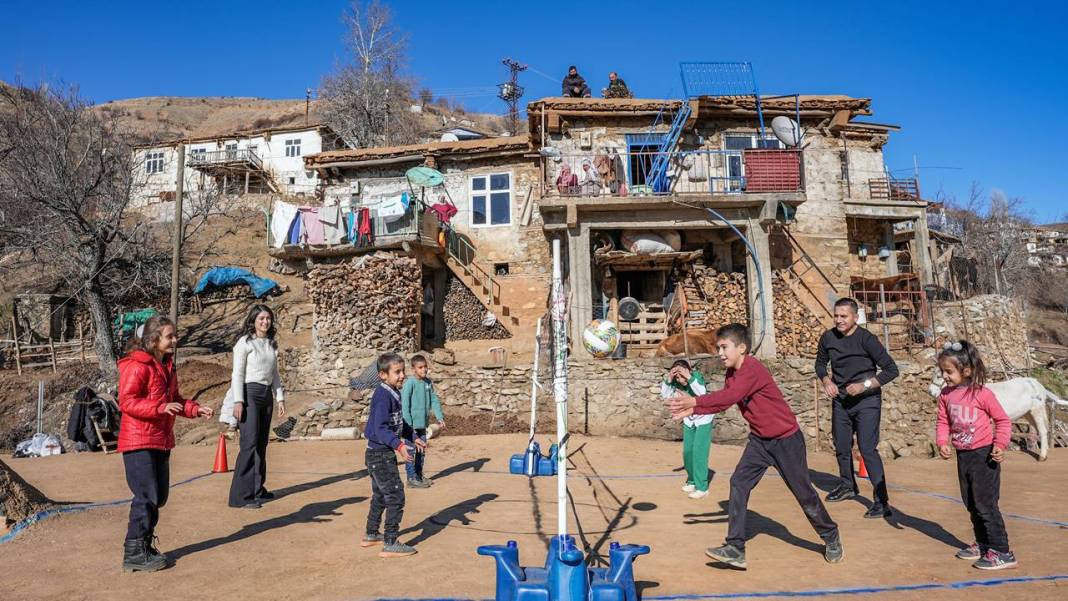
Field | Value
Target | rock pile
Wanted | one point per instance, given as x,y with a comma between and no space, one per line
464,315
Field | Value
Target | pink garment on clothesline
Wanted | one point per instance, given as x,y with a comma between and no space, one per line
312,230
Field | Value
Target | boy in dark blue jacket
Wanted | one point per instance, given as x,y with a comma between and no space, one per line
385,433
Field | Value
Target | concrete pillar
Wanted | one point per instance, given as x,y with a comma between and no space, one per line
579,279
760,305
921,255
888,241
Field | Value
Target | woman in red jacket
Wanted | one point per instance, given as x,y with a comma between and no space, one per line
149,401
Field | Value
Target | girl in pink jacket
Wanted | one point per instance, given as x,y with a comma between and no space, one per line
965,410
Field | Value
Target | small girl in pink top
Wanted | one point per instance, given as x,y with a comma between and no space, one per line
965,409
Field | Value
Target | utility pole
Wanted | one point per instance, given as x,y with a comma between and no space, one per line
510,92
307,105
176,257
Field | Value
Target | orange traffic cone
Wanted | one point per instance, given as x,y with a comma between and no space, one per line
221,466
862,471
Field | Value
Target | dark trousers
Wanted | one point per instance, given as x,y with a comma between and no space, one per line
250,469
387,493
414,468
860,416
980,489
789,458
148,474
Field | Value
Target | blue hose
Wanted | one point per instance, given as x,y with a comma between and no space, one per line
760,273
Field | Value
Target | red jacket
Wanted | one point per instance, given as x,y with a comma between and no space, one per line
145,388
762,404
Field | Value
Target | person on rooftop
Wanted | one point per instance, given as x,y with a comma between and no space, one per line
574,86
617,88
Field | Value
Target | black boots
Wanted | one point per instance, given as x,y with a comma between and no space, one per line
138,555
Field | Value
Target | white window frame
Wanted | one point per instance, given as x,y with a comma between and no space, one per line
154,162
292,147
471,193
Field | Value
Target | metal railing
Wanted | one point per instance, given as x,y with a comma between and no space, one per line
900,318
222,157
688,172
893,189
465,255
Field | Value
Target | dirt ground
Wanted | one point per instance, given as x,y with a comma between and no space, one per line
304,544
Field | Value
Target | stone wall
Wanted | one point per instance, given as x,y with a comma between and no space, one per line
618,398
993,323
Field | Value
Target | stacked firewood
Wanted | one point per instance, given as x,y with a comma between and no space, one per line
797,329
370,302
465,315
724,300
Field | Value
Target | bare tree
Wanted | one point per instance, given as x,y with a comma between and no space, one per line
993,233
366,101
66,175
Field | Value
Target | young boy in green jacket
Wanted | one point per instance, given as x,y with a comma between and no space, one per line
418,399
696,429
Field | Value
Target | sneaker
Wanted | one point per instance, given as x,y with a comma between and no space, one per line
842,493
698,494
971,553
370,540
688,487
833,551
250,505
994,560
878,510
416,483
426,481
396,549
728,554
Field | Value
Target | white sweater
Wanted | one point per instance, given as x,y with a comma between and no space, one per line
255,361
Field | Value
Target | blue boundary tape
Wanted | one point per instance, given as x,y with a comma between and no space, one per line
48,513
822,592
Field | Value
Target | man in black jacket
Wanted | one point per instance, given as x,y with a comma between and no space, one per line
854,354
574,85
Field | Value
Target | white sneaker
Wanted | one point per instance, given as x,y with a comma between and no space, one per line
688,487
698,494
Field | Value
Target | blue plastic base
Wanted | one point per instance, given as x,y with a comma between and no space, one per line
565,576
533,463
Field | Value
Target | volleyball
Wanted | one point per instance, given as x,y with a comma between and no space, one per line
600,338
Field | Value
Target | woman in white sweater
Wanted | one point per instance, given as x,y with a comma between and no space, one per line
255,387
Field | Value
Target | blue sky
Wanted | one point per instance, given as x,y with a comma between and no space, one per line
972,83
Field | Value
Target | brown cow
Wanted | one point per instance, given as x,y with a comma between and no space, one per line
700,342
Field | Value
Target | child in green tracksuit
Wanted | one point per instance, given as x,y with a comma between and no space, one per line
418,400
696,429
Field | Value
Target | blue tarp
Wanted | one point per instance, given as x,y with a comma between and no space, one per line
222,277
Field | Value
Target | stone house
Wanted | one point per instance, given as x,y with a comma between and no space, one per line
757,231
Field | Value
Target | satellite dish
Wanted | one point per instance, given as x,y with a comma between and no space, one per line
449,137
629,308
786,130
424,177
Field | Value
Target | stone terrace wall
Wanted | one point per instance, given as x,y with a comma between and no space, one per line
616,398
993,323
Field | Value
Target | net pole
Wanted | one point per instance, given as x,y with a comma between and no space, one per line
559,316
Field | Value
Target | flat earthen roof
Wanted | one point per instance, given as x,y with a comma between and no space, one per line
462,147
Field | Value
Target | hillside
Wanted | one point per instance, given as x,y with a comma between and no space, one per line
171,117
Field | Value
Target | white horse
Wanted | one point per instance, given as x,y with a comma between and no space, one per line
1019,397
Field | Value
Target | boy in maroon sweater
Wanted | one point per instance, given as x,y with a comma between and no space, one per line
774,440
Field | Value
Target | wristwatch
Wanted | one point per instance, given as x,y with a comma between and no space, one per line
867,384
